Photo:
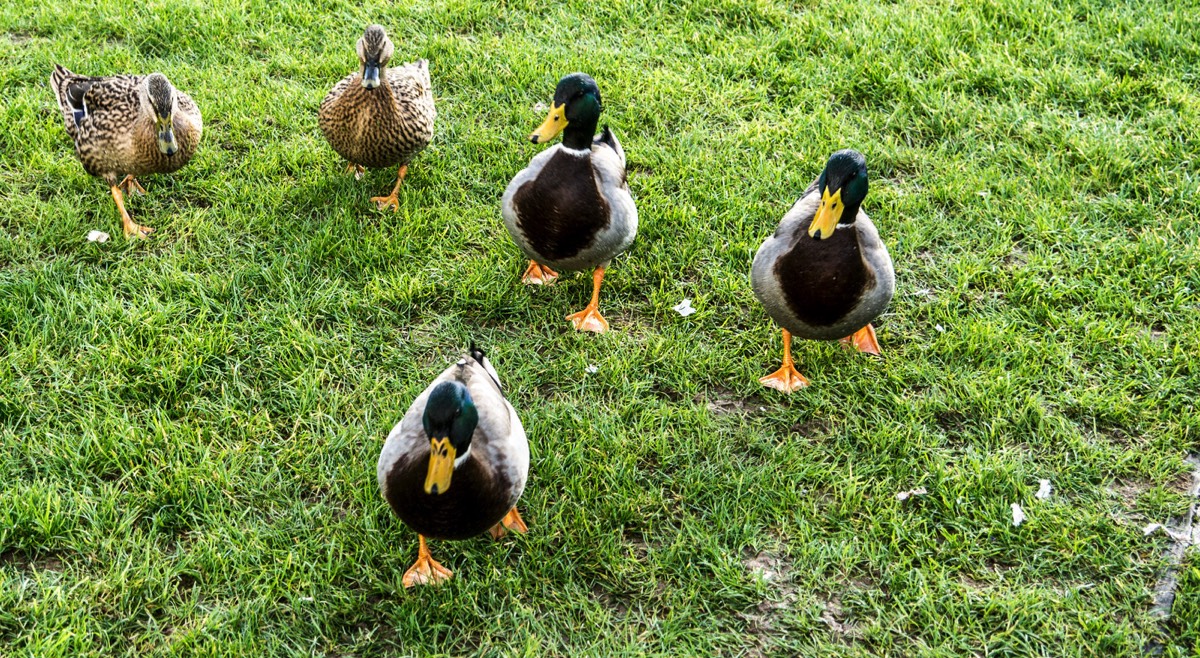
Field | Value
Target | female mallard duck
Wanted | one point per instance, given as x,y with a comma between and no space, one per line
825,274
456,464
380,125
127,125
570,209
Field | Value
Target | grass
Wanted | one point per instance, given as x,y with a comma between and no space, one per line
190,424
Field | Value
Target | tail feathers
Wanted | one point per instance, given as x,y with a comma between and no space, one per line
607,138
70,90
58,81
420,71
477,353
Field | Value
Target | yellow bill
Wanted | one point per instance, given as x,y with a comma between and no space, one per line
441,466
554,124
829,213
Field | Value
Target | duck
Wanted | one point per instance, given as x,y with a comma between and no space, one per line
825,274
571,208
125,126
456,464
379,116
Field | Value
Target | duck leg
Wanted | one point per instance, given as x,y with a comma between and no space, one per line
538,274
787,378
589,319
425,571
131,229
863,340
356,169
392,200
512,521
130,185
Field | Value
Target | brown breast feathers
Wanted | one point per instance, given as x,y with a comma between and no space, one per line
823,280
561,211
477,499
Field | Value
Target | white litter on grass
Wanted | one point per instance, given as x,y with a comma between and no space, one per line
905,495
940,328
307,599
97,236
1018,514
540,107
1044,489
1185,533
684,308
591,369
1173,534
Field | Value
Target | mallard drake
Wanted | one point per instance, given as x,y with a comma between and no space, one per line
127,125
825,274
570,209
373,124
456,464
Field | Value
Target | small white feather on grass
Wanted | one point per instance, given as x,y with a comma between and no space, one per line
1044,489
684,308
905,495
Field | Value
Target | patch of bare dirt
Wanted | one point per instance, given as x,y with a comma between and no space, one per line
721,401
1015,258
25,561
950,421
766,621
1128,491
970,582
835,618
812,427
618,607
641,547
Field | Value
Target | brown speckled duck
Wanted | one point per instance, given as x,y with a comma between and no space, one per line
571,209
825,274
125,126
456,464
380,116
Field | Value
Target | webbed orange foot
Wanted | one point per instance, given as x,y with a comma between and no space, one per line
426,570
356,169
131,185
589,319
787,378
512,521
137,230
392,199
538,275
131,229
863,340
385,201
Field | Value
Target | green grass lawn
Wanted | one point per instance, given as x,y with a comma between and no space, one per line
189,425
